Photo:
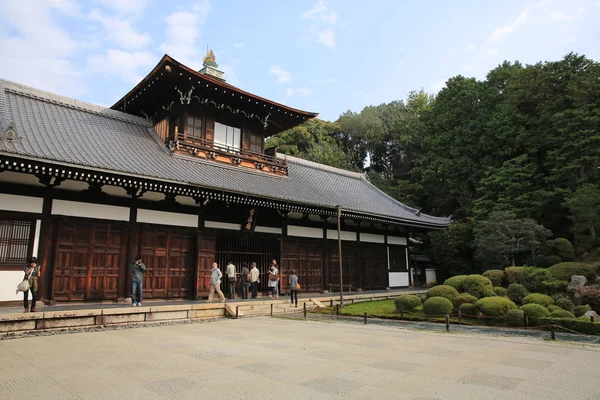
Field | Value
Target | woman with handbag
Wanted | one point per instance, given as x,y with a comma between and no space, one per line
32,272
246,279
294,286
274,280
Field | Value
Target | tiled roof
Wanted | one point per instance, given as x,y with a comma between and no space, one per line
55,128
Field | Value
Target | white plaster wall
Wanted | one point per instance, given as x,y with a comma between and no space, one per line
398,279
8,284
267,229
167,218
397,240
372,238
303,231
333,234
222,225
12,202
430,276
90,210
36,238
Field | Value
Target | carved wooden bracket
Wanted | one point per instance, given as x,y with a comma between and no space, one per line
135,192
50,181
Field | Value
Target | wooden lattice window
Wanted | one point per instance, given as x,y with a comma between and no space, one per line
16,242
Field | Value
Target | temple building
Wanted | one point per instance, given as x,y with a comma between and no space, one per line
176,171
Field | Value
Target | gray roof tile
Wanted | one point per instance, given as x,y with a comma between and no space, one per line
69,131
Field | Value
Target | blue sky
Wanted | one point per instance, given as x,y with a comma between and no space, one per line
323,56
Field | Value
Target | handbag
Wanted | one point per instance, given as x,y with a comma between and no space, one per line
273,277
24,285
248,277
298,287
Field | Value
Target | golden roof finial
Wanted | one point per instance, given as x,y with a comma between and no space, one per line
209,59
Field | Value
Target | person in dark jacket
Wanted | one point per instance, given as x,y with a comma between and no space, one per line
32,272
137,281
293,280
244,278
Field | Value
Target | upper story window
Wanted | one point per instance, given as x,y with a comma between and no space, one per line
193,126
227,136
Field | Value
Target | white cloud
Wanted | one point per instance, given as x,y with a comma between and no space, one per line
572,39
120,31
320,29
500,33
471,47
320,12
327,37
68,7
281,74
559,16
129,64
437,86
125,6
238,45
300,92
183,31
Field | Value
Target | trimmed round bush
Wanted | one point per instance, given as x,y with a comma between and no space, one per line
513,274
477,285
516,292
463,298
565,270
554,286
489,293
553,308
564,249
437,306
408,302
583,318
535,310
538,298
500,291
422,296
495,306
533,277
495,275
580,310
565,304
442,291
515,317
561,314
468,309
456,282
548,261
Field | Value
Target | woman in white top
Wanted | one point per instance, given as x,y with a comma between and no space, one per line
274,280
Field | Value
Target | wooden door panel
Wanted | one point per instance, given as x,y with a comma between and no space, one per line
306,257
374,263
206,247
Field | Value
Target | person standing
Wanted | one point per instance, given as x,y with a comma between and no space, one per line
246,279
231,278
254,274
137,281
215,283
32,271
274,280
293,280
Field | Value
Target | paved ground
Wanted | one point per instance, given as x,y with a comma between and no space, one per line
268,358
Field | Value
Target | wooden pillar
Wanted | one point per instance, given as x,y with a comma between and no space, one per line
358,257
132,249
387,257
325,254
46,248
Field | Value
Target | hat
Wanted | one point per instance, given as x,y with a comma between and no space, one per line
33,260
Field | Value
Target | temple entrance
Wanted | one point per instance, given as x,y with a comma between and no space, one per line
168,253
249,248
87,260
306,257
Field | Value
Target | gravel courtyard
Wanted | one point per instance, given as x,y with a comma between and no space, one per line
268,358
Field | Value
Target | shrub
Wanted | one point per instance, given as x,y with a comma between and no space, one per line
580,310
513,274
456,282
516,292
551,287
591,296
583,318
548,261
553,308
564,249
514,317
489,293
422,297
495,306
532,278
535,310
500,291
437,306
407,302
538,298
586,327
561,314
565,304
468,309
442,291
477,285
463,298
564,271
495,275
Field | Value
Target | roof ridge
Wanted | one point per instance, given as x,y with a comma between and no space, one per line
4,114
71,103
322,167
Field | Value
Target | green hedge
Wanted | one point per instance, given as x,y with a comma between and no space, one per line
468,308
564,249
442,291
515,318
513,274
553,308
516,292
496,276
538,298
456,282
535,310
583,318
495,306
463,298
552,287
532,278
407,302
477,285
561,314
437,306
565,270
580,310
500,291
588,328
565,304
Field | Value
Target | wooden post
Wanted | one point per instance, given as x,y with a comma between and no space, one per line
331,303
304,310
526,321
365,318
447,323
271,309
339,227
237,312
552,335
459,316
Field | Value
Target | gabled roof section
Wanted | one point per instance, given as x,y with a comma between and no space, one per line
72,133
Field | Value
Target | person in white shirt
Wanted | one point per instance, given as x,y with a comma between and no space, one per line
215,283
231,278
254,274
274,280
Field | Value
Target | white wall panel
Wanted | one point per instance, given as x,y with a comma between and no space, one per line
399,279
372,238
346,235
222,225
12,202
431,276
36,237
8,284
267,229
167,218
397,240
90,210
303,231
